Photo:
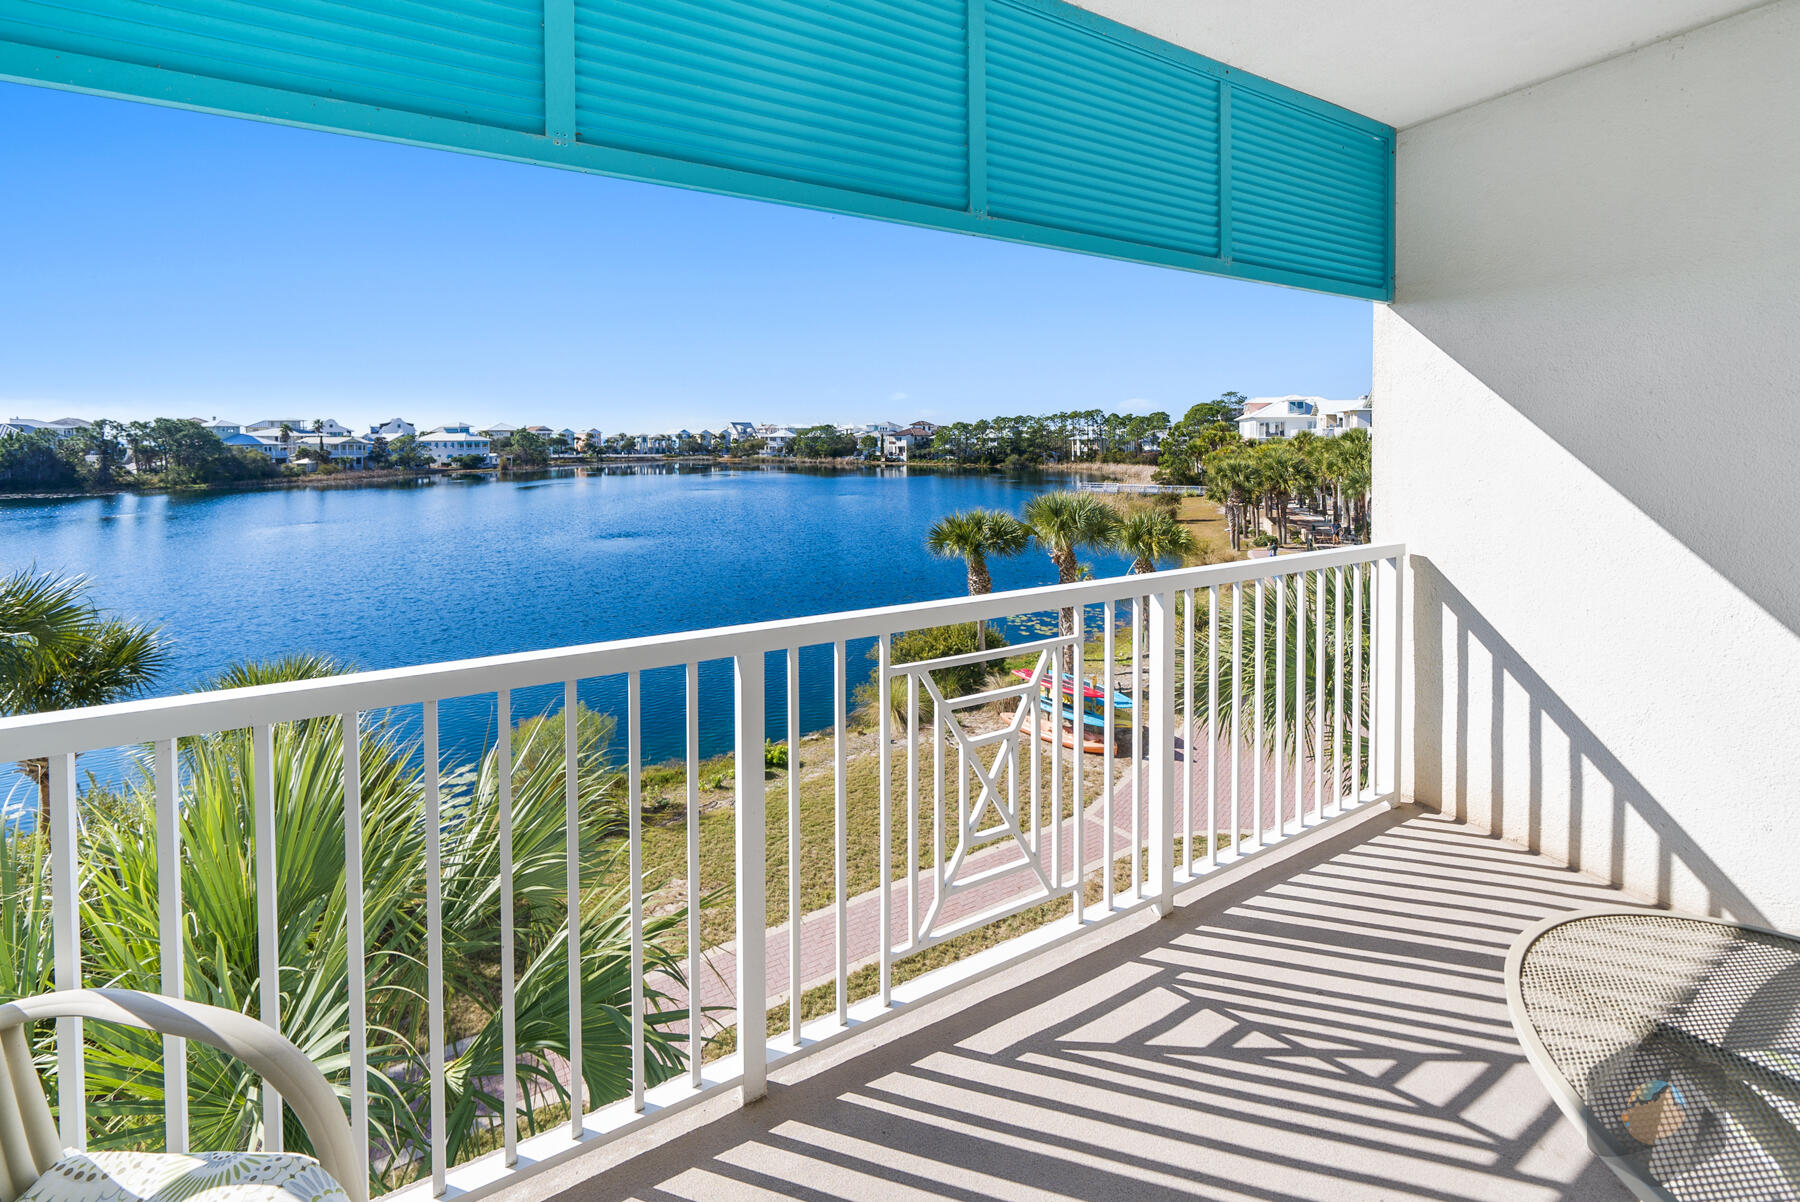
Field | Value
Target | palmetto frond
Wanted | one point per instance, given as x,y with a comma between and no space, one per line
58,652
40,615
121,943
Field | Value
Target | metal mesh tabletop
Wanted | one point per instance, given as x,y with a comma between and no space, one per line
1676,1041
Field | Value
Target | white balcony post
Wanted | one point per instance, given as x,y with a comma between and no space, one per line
65,916
752,855
1162,750
1386,631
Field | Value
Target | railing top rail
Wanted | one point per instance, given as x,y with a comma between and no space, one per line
71,731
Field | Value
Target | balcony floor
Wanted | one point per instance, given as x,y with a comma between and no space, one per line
1332,1026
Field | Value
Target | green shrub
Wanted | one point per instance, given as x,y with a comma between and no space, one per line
938,642
775,755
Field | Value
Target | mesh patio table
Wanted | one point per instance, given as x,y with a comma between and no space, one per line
1674,1043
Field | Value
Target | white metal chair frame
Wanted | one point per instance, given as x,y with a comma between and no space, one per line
29,1144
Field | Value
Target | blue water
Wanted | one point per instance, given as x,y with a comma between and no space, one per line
392,575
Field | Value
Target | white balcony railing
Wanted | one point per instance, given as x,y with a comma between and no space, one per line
1259,700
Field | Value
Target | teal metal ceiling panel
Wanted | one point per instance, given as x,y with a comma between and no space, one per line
1029,120
861,94
472,60
1090,133
1308,193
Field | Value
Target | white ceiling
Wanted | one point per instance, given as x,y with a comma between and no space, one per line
1407,61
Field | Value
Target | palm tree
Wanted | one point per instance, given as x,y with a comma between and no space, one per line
1234,480
57,652
972,536
1064,524
1354,461
1151,535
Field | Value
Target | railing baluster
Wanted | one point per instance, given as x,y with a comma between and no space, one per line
886,793
1280,650
1388,649
793,841
434,949
1300,701
1038,717
937,805
355,939
168,913
1187,730
1373,643
841,831
509,1006
751,850
1137,748
1077,756
1356,691
65,917
1319,697
1237,719
634,840
572,888
912,809
1256,726
1161,788
1212,727
268,931
696,1040
1337,708
1107,648
1056,768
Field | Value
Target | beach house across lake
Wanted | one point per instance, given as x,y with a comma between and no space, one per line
448,442
1286,416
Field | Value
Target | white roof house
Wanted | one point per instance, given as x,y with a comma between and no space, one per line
1286,416
393,427
1337,416
1276,417
299,425
455,439
62,427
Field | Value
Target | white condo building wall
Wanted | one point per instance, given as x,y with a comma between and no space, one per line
1604,590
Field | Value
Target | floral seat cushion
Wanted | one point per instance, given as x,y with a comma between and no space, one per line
177,1177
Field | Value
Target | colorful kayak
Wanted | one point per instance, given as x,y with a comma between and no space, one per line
1047,732
1088,717
1089,691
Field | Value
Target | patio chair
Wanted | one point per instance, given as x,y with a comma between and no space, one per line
35,1167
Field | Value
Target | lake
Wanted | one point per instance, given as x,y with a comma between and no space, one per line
391,575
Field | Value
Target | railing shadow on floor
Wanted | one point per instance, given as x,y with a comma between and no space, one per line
1264,1043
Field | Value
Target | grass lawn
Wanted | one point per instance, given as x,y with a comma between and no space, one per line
1206,521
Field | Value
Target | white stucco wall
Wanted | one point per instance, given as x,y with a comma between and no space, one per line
1607,585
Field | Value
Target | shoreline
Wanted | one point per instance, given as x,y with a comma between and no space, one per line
1124,472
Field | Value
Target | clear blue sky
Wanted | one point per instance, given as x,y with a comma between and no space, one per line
161,262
